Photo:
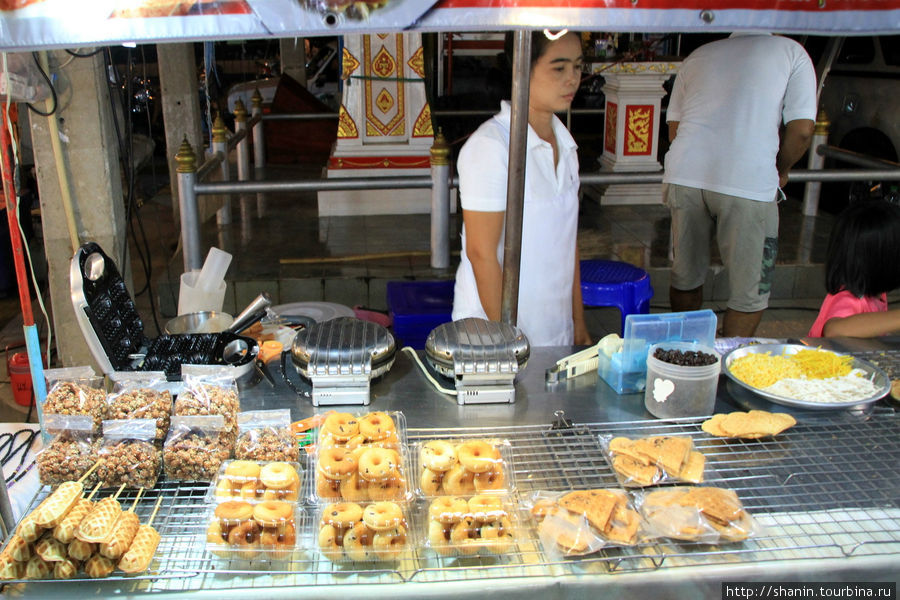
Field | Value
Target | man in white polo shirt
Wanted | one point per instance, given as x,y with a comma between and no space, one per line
741,113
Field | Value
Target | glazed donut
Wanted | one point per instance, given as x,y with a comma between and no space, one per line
461,536
448,509
245,537
439,538
342,515
438,455
355,442
328,543
341,426
278,475
226,489
477,456
242,470
486,508
234,510
389,489
355,489
377,464
490,480
249,490
430,482
497,535
283,536
376,426
358,542
327,488
272,513
288,494
458,481
382,516
337,463
389,544
215,534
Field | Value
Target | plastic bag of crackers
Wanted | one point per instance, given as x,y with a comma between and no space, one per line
463,466
213,392
196,447
366,473
709,515
579,522
362,532
647,461
480,525
129,454
72,451
383,429
266,435
141,396
75,391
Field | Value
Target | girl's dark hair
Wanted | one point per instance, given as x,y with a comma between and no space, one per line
863,254
539,44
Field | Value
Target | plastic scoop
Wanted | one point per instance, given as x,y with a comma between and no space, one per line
213,271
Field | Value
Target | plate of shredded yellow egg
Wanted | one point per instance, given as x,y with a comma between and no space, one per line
806,377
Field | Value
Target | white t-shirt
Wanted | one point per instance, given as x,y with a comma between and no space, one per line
549,225
730,98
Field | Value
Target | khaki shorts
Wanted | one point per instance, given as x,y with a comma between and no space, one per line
747,233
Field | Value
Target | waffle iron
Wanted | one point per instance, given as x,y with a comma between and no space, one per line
483,358
114,331
340,357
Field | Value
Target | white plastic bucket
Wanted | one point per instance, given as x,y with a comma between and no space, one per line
193,299
681,391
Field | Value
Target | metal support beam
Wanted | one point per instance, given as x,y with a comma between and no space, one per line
440,202
187,206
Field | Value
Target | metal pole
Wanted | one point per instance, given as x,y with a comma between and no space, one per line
220,144
515,182
816,161
243,152
187,206
259,144
440,202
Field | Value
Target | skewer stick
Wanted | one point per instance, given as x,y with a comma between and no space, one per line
89,471
94,491
121,487
138,497
155,508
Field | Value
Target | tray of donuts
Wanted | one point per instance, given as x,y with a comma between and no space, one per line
257,481
363,474
377,428
270,530
459,467
361,532
479,525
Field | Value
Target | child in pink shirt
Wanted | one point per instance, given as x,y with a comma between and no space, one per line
862,265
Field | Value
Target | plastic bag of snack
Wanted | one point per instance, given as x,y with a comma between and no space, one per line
129,454
196,447
266,435
652,460
144,397
703,514
478,526
214,393
75,391
72,451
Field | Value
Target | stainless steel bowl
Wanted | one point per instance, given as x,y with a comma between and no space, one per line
872,373
207,321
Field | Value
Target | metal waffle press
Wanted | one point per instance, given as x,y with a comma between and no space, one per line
483,357
340,357
114,331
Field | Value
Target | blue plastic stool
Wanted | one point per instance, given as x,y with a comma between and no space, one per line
417,307
614,283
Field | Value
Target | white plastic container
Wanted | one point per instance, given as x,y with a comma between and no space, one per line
681,391
192,298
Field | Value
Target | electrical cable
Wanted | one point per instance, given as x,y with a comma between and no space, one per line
88,55
428,376
46,77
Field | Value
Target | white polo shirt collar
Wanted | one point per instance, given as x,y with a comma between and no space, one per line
563,137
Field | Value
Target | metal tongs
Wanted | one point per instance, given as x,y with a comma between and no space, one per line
583,361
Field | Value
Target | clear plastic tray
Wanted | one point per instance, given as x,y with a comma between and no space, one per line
579,522
479,525
498,478
635,469
353,430
233,485
260,540
389,479
343,533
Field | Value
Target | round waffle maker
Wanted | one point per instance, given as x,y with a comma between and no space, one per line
483,358
340,357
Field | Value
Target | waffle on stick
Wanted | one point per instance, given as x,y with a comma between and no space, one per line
81,550
123,532
11,569
18,549
99,566
142,549
28,529
65,531
97,526
50,549
65,569
37,568
54,509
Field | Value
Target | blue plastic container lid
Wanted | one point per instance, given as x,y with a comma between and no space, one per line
642,331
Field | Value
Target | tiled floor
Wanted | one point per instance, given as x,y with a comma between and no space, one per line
279,244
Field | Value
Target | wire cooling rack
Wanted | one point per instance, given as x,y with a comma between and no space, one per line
827,488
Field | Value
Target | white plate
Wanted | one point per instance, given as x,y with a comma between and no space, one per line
317,311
